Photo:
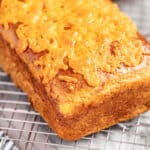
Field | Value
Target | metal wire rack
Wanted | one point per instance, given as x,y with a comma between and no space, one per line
28,131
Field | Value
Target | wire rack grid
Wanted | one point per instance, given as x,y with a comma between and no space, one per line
28,131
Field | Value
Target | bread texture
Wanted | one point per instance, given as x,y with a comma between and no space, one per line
75,97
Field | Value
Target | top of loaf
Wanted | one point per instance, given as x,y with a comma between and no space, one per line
87,37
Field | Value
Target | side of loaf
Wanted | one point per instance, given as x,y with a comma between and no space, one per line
82,73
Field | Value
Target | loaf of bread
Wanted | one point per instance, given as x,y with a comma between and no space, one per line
83,64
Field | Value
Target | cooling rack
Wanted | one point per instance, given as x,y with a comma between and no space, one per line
22,128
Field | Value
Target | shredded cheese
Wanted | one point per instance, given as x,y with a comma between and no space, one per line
93,34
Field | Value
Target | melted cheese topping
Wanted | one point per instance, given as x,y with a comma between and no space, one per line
93,35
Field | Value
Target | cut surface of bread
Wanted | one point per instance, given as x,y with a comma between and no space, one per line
84,67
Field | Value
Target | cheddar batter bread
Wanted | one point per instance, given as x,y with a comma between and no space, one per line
83,65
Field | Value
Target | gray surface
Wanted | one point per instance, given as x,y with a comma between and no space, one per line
6,143
28,131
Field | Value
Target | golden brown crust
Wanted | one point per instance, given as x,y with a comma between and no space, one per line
90,32
121,101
